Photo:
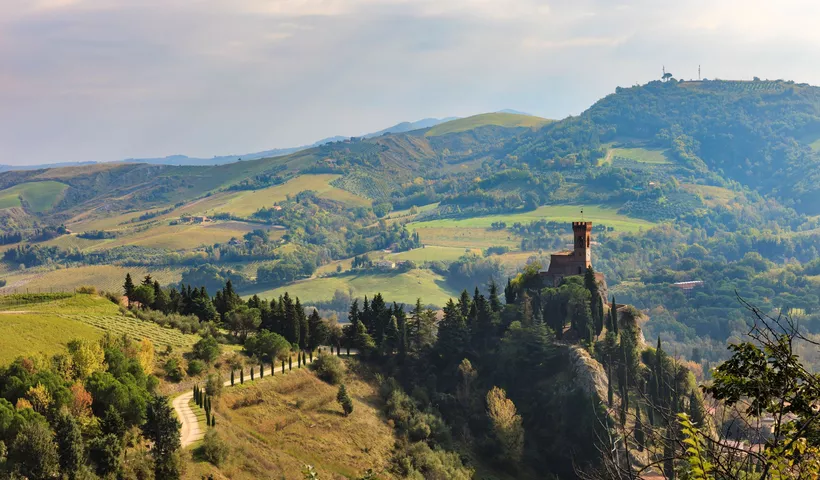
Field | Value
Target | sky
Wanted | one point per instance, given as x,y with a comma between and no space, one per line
100,80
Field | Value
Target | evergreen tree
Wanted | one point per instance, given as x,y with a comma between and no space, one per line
148,281
344,400
33,452
112,423
283,365
613,309
609,391
232,378
162,301
595,303
464,304
640,435
128,287
252,369
391,336
317,332
162,428
495,302
70,447
696,412
291,324
509,293
304,327
290,363
241,377
415,327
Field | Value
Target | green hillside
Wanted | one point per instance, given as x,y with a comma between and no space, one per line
507,120
39,196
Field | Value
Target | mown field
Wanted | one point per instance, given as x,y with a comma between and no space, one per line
47,327
401,287
104,277
476,232
509,120
40,196
712,196
654,156
245,203
282,422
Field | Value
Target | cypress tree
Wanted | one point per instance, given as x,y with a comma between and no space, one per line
609,393
640,435
207,417
128,287
70,447
232,377
261,369
614,313
213,421
241,377
283,365
298,359
252,368
290,363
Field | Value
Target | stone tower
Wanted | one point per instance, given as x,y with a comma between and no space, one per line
582,231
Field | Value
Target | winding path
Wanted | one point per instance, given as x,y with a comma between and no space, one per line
190,431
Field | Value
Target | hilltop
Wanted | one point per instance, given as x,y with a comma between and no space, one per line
683,181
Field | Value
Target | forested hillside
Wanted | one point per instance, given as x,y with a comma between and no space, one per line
706,181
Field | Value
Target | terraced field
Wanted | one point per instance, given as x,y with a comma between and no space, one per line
135,328
31,325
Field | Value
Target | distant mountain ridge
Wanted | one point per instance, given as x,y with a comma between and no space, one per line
186,161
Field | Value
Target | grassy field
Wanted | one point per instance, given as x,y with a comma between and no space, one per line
644,155
400,287
432,253
40,196
104,277
499,119
247,202
47,327
282,422
475,232
26,334
712,196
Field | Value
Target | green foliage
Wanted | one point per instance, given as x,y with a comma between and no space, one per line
344,400
267,345
207,349
33,454
329,368
162,428
214,449
195,367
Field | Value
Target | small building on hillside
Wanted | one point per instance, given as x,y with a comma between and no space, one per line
384,265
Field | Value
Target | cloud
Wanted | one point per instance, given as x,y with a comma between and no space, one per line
109,79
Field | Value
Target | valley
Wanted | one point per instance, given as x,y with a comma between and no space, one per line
429,252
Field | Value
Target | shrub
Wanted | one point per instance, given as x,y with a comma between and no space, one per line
173,370
213,387
329,369
213,448
206,349
195,367
87,289
344,400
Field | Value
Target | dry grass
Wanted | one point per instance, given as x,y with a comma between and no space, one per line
293,419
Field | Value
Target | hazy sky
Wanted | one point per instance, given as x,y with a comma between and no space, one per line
110,79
